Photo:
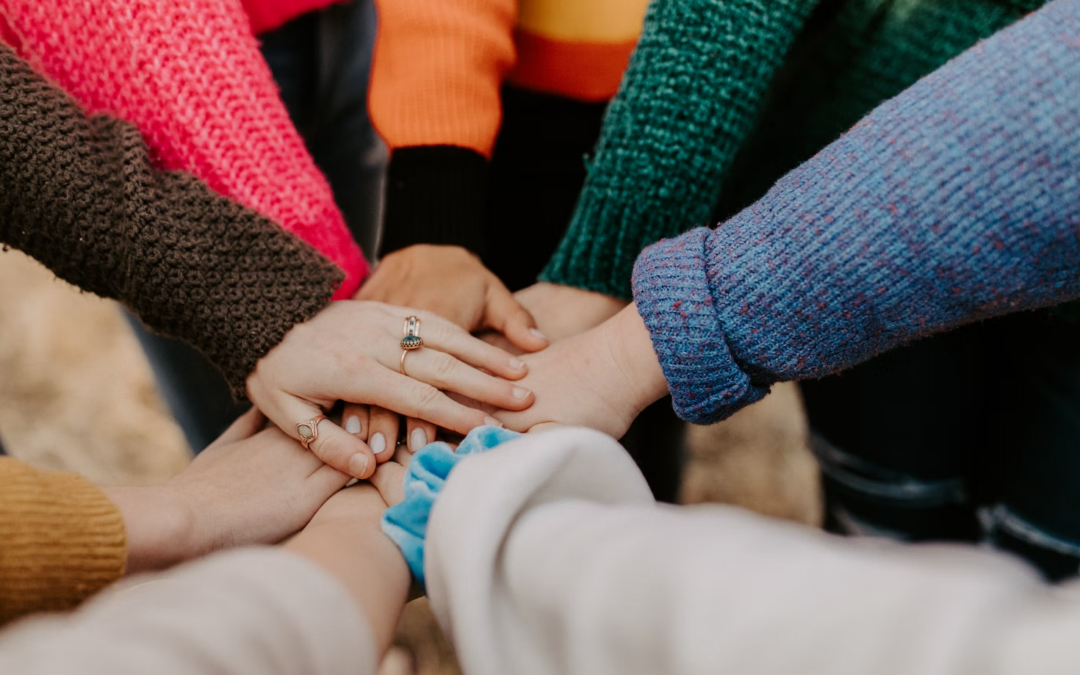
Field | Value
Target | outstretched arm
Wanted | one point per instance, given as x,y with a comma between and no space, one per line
956,201
549,555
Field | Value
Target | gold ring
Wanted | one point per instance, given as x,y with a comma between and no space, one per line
309,431
411,341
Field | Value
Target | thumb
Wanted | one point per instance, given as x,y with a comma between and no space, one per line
506,315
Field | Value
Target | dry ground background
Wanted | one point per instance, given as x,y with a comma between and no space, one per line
76,394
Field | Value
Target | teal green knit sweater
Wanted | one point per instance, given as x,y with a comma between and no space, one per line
722,97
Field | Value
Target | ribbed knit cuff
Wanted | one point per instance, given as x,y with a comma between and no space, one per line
435,195
63,540
673,297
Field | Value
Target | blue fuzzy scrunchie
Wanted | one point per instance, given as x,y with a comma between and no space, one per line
406,523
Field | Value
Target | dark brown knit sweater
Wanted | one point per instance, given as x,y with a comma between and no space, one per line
79,195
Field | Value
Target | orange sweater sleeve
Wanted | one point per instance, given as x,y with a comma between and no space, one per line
437,70
61,540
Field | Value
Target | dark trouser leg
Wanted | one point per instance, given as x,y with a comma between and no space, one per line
1037,510
968,436
320,61
537,172
895,437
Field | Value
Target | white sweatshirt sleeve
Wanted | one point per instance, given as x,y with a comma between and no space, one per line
259,611
549,556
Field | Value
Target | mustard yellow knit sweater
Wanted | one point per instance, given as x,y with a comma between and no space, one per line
61,540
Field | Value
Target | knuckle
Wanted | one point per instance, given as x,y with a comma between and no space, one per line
443,367
426,397
332,450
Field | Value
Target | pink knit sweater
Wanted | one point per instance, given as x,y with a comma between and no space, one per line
189,74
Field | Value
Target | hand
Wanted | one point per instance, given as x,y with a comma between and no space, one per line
565,311
351,352
452,283
602,378
248,487
345,539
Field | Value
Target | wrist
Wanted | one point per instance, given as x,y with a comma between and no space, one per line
159,527
345,539
640,379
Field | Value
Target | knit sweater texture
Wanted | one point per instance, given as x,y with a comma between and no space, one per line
707,73
188,74
80,195
956,201
63,540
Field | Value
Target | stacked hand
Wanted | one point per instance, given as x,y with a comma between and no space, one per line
596,374
351,352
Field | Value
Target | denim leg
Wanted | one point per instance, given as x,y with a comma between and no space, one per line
322,63
196,393
346,146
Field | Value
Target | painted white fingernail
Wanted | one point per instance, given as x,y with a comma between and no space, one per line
492,422
538,334
417,439
352,424
517,364
358,464
521,392
378,443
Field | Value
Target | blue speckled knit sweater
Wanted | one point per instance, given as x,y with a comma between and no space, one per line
956,201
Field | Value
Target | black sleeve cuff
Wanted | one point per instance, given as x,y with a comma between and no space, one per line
435,194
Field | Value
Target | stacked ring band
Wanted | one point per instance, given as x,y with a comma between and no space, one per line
411,339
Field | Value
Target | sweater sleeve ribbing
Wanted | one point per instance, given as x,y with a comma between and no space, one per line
437,70
63,540
689,97
80,196
189,75
956,201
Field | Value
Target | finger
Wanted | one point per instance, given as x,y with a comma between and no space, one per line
413,398
403,456
389,480
328,480
418,433
384,426
443,336
333,445
506,315
443,371
545,426
354,419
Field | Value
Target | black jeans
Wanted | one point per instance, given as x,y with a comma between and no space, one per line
971,436
321,62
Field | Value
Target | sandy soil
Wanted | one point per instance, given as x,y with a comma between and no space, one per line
76,393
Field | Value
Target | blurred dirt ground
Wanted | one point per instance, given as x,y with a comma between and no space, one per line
76,394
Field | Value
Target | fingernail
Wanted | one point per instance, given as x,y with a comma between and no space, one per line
517,364
492,422
520,392
358,464
417,439
352,424
538,334
377,443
